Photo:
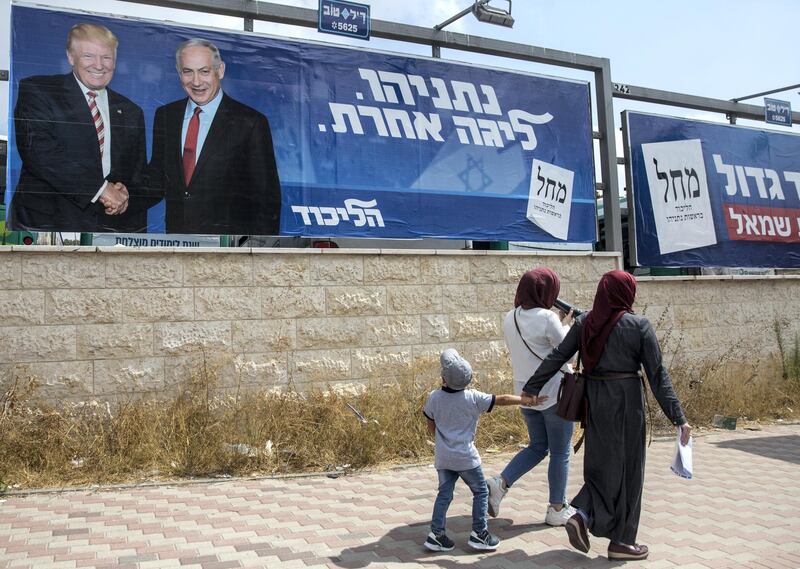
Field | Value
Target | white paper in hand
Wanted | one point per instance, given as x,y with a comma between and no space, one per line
682,463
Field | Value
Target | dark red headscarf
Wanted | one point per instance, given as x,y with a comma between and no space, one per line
615,294
537,288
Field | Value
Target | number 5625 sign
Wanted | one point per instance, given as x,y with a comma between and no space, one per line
344,18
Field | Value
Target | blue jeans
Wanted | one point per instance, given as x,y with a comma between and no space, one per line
480,497
547,431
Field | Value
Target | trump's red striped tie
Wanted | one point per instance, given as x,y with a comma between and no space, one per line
98,120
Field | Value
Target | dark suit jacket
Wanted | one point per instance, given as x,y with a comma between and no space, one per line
61,164
234,188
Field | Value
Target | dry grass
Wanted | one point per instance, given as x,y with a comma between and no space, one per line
734,383
200,433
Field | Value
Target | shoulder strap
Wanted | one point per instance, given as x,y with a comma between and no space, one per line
521,337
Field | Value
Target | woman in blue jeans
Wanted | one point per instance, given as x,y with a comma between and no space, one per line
531,331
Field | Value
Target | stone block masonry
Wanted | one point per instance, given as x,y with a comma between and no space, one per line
107,323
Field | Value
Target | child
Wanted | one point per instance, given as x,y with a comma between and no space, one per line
452,414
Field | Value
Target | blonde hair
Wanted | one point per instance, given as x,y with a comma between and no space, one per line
91,32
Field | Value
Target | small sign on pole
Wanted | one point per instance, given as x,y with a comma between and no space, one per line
344,18
778,112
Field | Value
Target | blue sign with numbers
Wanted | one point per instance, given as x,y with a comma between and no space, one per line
344,18
778,112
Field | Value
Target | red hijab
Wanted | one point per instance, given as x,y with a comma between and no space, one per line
537,288
615,294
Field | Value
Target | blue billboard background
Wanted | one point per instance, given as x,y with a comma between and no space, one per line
367,144
746,213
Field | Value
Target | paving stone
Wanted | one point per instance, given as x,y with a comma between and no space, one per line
379,519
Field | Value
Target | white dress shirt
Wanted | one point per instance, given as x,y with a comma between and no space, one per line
101,100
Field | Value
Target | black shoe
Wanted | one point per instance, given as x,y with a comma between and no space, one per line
618,551
483,540
578,536
439,542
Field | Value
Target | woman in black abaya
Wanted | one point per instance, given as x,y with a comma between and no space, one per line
614,343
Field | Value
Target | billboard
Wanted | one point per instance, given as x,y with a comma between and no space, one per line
712,195
305,139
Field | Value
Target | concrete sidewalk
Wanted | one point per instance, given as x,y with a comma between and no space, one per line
742,509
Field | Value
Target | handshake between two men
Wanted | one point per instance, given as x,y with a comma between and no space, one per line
114,198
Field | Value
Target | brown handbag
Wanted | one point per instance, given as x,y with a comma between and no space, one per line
571,404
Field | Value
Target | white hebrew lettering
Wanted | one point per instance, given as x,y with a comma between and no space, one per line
400,80
742,179
775,189
317,215
783,226
737,218
330,211
750,224
362,212
764,229
303,211
517,117
492,106
374,84
472,125
377,117
505,127
727,170
758,175
339,111
793,178
442,98
464,91
393,116
418,82
491,134
426,125
365,212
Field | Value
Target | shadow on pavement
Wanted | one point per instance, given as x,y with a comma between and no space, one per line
404,545
786,448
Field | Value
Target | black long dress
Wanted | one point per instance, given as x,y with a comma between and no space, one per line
613,467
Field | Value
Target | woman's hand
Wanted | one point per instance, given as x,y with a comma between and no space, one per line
568,318
686,432
532,400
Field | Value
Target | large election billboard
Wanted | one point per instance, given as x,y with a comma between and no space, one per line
712,195
240,133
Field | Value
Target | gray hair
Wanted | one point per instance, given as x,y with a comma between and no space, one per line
216,58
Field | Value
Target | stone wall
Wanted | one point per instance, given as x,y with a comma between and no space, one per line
110,322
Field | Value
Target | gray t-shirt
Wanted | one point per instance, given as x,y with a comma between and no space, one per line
456,416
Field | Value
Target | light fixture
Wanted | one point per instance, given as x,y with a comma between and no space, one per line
492,15
484,13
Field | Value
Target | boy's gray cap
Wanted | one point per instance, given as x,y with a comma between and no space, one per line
456,371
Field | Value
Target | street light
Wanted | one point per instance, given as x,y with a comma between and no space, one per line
490,15
484,13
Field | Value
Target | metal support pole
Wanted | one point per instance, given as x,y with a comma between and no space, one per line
248,24
763,93
608,157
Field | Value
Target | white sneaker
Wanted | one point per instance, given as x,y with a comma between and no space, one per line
559,517
497,492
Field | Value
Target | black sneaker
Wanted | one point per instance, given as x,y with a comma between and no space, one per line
439,542
483,540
